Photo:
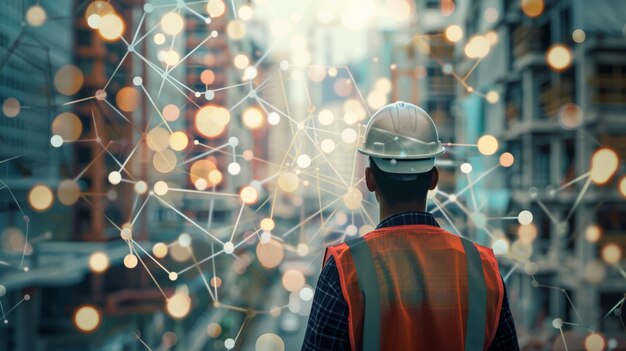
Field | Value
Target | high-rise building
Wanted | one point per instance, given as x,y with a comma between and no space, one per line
554,80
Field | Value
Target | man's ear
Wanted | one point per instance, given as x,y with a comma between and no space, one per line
369,180
434,178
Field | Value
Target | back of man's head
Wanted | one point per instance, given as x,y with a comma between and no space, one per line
396,190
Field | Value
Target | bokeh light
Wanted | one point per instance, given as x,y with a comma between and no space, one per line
68,79
36,16
11,107
249,195
270,254
87,318
611,253
487,145
98,262
453,33
532,8
40,197
559,57
172,23
111,27
252,118
604,164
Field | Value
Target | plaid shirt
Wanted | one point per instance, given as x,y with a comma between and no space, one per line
328,321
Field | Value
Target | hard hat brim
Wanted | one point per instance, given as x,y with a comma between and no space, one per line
398,166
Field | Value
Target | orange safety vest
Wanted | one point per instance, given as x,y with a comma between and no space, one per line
418,287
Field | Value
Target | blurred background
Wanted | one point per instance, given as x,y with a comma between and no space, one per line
171,171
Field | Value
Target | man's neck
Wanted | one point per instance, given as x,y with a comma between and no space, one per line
386,210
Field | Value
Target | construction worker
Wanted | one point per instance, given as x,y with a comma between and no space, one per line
409,284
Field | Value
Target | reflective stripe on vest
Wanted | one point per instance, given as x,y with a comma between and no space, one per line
476,299
369,286
368,282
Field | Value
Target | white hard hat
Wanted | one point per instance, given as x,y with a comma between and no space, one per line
401,138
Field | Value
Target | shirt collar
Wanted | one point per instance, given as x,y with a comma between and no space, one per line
408,218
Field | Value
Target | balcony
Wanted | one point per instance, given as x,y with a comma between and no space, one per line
553,96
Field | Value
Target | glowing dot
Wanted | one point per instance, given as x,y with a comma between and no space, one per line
229,247
327,146
68,192
532,8
111,27
172,23
130,261
611,253
93,21
326,117
479,219
269,341
56,141
173,275
491,15
241,61
68,80
11,107
507,159
303,161
229,344
353,198
137,80
349,135
159,38
376,99
40,197
500,247
492,97
126,233
159,250
213,330
351,230
302,249
559,57
557,323
68,126
570,116
477,47
270,254
249,195
593,233
252,118
234,168
179,305
245,13
184,240
622,186
267,224
273,118
250,72
86,318
98,262
492,37
36,16
115,177
525,217
141,187
236,29
288,182
215,8
604,164
594,342
293,280
211,120
531,268
487,145
160,188
216,282
178,141
171,57
466,168
579,35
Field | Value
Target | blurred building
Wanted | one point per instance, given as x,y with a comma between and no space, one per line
552,143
